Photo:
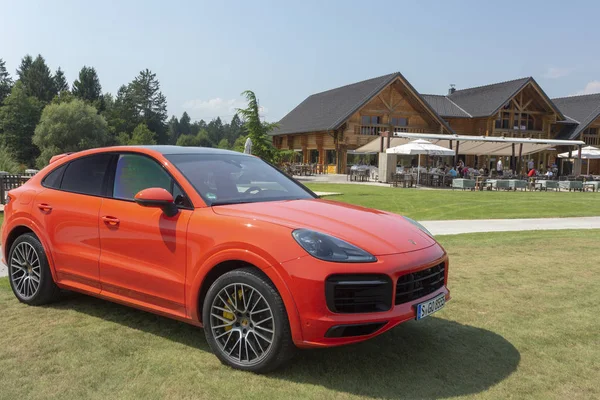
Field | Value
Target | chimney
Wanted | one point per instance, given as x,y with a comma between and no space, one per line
452,89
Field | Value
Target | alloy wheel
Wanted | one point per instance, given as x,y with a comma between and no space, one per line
242,324
25,270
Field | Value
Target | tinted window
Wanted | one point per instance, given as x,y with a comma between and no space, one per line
86,175
135,173
52,180
232,178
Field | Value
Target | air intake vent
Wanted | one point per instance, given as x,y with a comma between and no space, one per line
358,293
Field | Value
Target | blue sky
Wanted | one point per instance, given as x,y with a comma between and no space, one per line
206,53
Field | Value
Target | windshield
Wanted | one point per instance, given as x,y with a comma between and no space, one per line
232,179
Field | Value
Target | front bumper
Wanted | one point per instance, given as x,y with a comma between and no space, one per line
306,277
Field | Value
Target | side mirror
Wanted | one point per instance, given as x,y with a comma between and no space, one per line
159,198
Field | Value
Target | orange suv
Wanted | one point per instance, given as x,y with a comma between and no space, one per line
221,240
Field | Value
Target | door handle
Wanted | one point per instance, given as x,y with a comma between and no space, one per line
45,207
111,221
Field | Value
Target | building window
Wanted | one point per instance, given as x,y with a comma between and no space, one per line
591,131
527,122
370,120
503,121
399,121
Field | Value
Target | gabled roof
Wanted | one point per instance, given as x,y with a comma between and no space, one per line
484,101
330,109
444,106
582,110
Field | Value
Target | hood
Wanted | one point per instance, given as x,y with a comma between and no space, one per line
377,232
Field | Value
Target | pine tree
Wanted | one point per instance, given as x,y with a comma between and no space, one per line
150,104
60,81
6,82
37,79
87,87
173,130
257,130
184,124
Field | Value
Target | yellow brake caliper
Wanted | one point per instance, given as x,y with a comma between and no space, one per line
228,315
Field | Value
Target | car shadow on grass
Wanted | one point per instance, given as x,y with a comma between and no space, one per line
429,359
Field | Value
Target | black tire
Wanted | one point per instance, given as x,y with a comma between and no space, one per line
46,291
281,348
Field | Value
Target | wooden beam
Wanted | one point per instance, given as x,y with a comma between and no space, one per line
384,102
526,105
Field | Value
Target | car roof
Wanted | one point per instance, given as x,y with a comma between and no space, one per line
170,150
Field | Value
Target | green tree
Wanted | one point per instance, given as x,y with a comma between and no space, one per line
149,103
188,140
173,130
223,144
184,124
6,82
142,135
215,130
236,128
87,87
68,127
37,79
239,144
18,117
8,163
60,82
262,145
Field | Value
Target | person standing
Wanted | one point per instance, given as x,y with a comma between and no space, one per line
499,167
530,165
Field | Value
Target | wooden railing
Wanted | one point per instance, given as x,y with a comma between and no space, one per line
591,140
9,182
375,130
520,133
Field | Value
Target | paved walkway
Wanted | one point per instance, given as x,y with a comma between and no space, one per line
510,225
491,225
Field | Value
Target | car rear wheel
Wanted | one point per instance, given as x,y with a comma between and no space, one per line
245,322
29,272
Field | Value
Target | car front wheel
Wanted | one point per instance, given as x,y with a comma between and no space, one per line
245,322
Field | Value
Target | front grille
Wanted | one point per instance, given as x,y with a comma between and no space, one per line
358,293
418,284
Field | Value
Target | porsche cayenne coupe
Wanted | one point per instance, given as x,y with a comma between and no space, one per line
221,240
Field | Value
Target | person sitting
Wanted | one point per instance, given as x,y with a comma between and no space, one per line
453,173
549,173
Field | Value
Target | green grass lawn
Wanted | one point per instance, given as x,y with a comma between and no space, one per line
448,204
523,323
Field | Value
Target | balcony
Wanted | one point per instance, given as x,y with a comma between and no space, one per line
591,140
375,130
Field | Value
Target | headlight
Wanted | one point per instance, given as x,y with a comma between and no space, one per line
418,225
329,248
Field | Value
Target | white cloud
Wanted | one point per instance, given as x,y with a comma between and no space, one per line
591,87
217,107
555,73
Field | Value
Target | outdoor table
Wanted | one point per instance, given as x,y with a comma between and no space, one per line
594,185
515,184
463,184
499,183
571,185
544,184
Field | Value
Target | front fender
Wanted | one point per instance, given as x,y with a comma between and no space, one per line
265,263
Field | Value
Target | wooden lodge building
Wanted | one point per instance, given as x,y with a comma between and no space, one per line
327,125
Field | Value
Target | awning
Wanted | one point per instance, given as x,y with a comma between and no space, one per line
473,145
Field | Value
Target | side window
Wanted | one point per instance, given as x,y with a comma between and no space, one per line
135,173
86,175
52,180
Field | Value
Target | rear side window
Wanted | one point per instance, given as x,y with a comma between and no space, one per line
135,173
86,175
52,180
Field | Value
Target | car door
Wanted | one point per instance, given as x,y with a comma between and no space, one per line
68,211
143,257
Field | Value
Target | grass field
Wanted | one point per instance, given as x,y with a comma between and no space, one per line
523,323
448,204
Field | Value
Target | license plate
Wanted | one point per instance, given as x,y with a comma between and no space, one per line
430,306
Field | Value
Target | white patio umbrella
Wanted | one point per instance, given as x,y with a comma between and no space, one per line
587,153
420,146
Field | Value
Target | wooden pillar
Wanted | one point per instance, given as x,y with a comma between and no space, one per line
578,162
512,159
305,154
520,157
321,151
456,154
381,145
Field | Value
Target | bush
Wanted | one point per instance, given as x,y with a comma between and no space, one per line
8,161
